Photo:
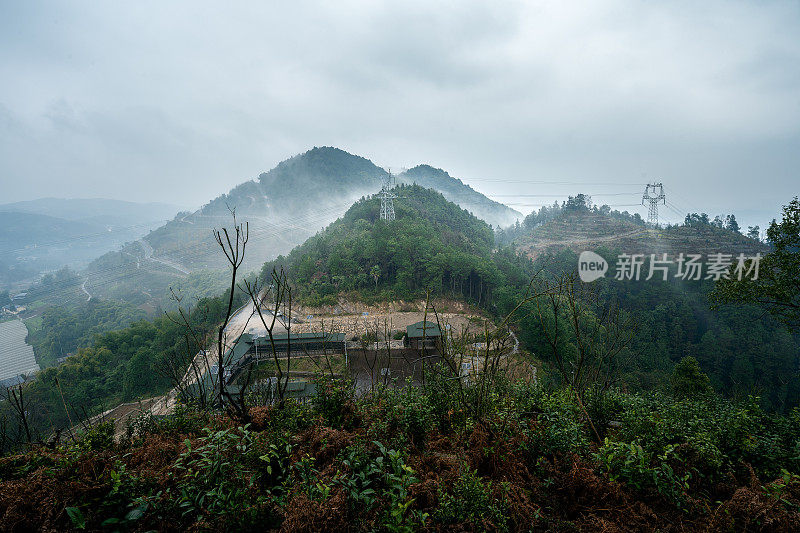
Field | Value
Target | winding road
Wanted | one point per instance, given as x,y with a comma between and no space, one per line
83,288
148,254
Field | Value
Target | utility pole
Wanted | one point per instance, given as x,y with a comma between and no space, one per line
653,194
387,197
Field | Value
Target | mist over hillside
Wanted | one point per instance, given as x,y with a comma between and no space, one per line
107,211
51,233
492,212
281,208
571,303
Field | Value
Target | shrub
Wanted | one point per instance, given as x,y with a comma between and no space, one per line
184,420
688,381
276,464
717,436
403,415
380,478
333,400
603,407
471,502
369,338
293,416
125,501
99,437
631,464
218,476
444,396
556,427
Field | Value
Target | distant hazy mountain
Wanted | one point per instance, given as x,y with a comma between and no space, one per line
462,194
102,211
294,200
283,207
49,233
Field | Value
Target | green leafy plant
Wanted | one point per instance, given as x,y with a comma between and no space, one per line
99,437
779,489
470,501
76,517
216,478
332,399
632,465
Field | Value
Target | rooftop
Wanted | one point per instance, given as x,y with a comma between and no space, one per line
423,329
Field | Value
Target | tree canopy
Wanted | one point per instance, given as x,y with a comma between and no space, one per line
777,288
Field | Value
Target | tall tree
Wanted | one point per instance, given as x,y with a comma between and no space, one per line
731,224
777,287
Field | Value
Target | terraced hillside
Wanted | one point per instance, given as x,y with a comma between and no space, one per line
590,229
16,356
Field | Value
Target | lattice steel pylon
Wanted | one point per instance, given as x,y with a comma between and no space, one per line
653,194
387,197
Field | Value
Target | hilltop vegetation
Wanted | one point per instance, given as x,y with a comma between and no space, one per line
578,225
636,438
321,174
742,350
436,247
62,331
433,245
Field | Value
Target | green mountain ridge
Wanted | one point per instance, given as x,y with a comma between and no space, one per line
432,245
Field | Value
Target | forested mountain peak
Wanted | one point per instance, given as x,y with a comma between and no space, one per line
432,245
324,166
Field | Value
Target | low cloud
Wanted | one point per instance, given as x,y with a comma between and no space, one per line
182,101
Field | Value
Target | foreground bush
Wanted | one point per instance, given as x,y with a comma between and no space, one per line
408,460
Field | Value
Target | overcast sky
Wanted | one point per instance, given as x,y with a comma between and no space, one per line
180,101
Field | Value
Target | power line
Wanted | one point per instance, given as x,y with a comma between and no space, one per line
560,195
539,182
548,205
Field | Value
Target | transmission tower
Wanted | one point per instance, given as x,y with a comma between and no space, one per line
653,194
387,197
